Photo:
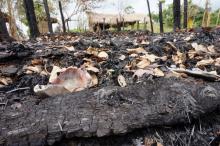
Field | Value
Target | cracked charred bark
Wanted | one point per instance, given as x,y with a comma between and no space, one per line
108,111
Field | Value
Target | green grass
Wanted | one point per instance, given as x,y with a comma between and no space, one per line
156,27
141,27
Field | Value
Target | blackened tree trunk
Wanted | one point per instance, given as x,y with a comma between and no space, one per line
50,27
161,17
151,22
62,17
176,15
185,13
4,35
31,17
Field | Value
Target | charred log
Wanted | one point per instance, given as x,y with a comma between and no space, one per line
107,111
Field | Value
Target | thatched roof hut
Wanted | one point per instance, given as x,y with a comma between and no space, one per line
111,19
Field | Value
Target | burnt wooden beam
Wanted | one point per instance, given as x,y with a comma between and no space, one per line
107,111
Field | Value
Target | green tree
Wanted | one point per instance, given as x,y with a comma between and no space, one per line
129,10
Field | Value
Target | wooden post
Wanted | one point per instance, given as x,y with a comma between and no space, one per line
118,25
132,27
145,25
62,17
151,22
31,17
50,27
138,26
103,24
161,17
68,27
123,24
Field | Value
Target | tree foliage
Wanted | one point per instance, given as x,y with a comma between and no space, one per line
129,10
194,11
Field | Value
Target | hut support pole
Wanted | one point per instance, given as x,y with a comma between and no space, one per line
118,25
67,23
138,26
123,24
145,25
103,24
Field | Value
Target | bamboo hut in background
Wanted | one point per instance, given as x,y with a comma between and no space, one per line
43,24
98,21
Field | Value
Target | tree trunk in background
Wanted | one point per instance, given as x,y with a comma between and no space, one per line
151,23
4,35
206,15
62,17
176,15
161,17
185,13
12,22
31,17
50,27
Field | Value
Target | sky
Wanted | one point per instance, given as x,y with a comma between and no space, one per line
140,6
